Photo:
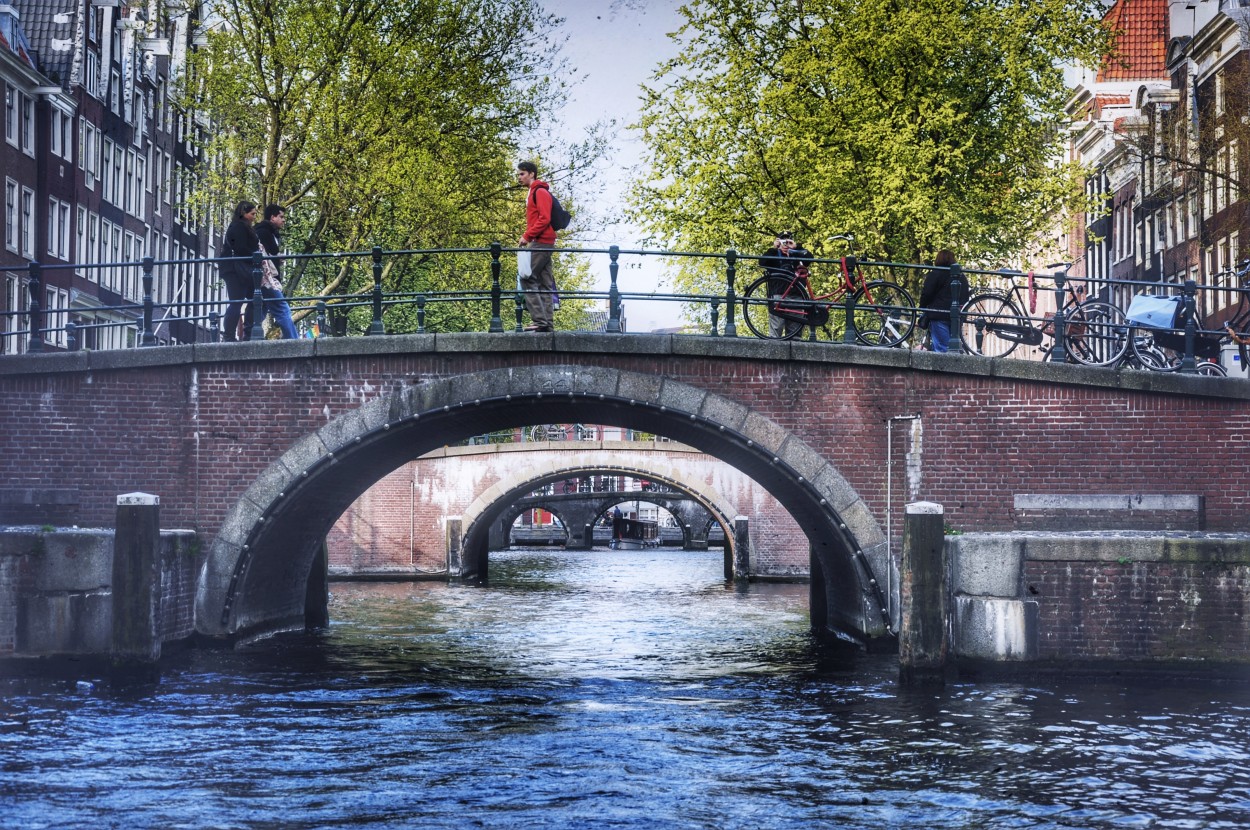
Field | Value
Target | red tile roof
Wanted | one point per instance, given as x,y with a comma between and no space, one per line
1141,28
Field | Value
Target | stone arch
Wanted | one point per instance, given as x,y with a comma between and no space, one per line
493,502
512,513
256,573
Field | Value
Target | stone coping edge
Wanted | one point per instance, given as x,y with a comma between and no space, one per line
689,345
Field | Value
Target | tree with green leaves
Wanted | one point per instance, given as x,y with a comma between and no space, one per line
395,123
913,126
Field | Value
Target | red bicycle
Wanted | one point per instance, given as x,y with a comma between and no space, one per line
883,313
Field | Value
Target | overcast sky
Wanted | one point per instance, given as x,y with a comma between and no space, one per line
616,45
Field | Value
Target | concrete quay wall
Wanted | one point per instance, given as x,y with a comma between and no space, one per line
56,591
1105,596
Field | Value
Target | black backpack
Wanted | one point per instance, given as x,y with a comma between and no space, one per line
560,217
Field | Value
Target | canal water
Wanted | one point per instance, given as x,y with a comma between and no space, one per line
606,689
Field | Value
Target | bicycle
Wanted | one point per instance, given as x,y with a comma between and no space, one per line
993,325
1162,349
882,312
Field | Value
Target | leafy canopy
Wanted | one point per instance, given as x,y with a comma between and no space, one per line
914,126
378,122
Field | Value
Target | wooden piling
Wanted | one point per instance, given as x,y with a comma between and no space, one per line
923,601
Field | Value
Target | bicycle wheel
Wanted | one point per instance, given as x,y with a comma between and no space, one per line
999,319
884,314
1096,334
1149,354
755,308
1212,369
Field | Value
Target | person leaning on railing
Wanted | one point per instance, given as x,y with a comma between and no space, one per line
935,301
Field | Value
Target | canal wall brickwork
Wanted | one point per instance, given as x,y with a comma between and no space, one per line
56,590
1113,597
259,447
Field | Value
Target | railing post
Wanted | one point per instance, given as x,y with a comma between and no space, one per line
614,293
980,324
258,299
496,290
421,316
731,274
321,318
147,338
1188,365
1059,354
376,326
35,323
849,333
214,327
958,295
716,316
519,308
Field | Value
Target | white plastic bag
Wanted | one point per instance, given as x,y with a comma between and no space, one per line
523,268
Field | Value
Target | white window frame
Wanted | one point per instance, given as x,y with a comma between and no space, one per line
29,221
28,126
12,122
11,214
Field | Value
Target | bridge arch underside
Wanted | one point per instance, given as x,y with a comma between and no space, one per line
256,575
499,505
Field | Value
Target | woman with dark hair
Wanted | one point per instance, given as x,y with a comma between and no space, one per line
935,300
242,240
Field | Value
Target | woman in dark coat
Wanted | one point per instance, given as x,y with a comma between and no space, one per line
935,300
243,242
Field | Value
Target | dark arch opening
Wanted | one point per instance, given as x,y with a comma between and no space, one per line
256,575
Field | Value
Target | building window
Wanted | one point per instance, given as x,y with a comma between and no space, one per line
10,115
10,215
115,91
93,72
106,166
28,223
56,306
28,126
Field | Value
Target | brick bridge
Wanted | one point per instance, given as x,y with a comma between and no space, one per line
260,447
400,526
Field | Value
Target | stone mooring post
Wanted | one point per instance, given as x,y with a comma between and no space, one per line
923,603
136,579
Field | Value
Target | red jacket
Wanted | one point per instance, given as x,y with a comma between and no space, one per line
538,214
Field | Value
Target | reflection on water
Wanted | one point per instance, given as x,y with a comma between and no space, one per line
602,689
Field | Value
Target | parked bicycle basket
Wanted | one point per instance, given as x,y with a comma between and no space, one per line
1155,311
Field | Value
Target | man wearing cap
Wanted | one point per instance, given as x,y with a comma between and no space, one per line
779,263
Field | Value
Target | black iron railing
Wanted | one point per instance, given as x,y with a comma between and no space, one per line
973,329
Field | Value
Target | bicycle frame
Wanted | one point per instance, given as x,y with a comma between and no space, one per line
807,301
1029,334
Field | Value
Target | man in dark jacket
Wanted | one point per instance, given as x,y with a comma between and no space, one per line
270,234
779,263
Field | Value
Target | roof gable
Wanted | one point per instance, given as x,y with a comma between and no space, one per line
1141,28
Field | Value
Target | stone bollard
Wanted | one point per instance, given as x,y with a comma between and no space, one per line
136,580
923,603
588,537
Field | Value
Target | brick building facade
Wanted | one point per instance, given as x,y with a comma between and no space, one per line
1162,124
97,160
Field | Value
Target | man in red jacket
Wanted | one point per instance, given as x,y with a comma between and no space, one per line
540,238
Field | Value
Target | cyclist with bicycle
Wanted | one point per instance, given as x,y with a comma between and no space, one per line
781,263
935,301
